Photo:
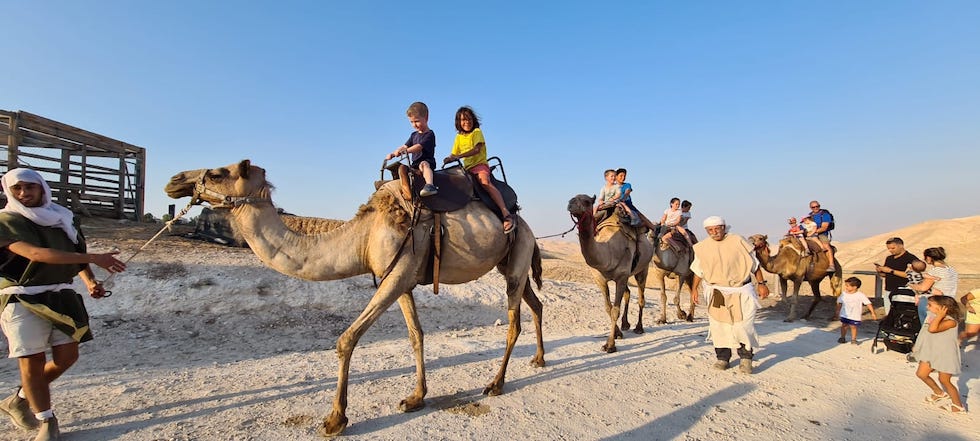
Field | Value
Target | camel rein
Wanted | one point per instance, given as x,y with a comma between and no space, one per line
575,224
166,226
199,189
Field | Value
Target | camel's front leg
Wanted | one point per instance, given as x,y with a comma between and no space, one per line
641,284
604,288
415,401
496,387
536,313
690,287
336,422
663,300
610,345
794,298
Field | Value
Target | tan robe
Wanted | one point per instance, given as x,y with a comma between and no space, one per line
725,266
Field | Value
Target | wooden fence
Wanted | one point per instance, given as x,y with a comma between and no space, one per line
87,172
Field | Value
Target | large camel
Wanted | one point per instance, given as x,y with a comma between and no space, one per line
614,256
790,264
667,261
380,240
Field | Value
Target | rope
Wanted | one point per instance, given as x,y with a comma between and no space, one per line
574,225
166,226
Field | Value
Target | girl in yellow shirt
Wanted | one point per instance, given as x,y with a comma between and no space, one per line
470,146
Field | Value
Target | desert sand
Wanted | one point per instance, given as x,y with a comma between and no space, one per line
202,342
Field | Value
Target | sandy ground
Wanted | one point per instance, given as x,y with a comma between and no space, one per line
202,342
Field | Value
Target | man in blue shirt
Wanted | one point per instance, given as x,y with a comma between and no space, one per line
824,221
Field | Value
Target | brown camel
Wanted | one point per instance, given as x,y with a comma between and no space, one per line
790,264
615,253
378,241
673,261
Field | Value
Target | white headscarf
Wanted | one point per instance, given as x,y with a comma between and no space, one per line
713,221
48,214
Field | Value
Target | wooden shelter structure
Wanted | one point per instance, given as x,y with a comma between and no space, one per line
88,173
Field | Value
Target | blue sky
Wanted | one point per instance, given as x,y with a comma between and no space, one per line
748,109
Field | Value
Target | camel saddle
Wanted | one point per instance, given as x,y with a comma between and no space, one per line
676,241
456,189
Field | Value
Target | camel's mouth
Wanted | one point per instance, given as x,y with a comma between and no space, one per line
182,184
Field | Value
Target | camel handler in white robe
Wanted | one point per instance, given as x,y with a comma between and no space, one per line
728,267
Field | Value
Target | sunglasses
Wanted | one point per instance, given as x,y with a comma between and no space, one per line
814,206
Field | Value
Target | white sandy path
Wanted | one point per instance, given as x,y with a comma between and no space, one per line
211,345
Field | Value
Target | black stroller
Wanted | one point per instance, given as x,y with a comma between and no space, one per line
901,326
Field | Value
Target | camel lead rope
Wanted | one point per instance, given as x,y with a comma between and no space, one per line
166,226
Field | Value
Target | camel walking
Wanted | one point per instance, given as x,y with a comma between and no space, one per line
671,260
790,264
379,240
615,253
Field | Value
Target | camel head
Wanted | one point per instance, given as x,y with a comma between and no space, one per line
788,242
759,241
580,205
221,186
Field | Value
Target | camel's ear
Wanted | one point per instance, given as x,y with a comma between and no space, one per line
592,201
765,238
244,167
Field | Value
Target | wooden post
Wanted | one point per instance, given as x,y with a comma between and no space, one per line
121,206
12,142
65,166
878,289
140,170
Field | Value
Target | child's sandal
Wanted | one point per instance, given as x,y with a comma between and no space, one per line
508,229
932,398
952,408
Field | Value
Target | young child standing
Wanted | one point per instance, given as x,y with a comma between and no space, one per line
471,147
849,306
421,145
609,195
937,349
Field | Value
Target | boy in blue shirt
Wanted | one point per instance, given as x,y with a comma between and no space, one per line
421,146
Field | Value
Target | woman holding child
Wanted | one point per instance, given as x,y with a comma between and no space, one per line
944,278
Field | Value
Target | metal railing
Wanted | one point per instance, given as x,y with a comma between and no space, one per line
880,284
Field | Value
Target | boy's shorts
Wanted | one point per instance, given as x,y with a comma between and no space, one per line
418,162
848,321
29,334
479,168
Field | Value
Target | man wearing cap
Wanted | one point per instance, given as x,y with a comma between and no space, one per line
731,274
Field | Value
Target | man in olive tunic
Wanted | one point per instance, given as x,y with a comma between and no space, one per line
728,267
42,250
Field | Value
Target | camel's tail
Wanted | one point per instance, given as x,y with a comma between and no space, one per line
836,279
536,270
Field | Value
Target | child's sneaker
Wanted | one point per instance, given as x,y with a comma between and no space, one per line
429,190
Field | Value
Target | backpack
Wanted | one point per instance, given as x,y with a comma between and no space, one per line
831,227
